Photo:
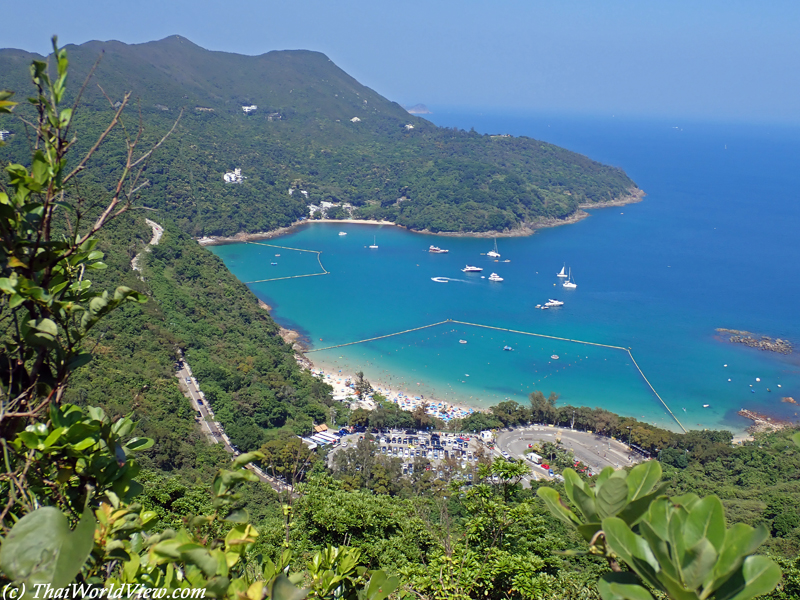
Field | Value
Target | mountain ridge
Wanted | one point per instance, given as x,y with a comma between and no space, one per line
315,129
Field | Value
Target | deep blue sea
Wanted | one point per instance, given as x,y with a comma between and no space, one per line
714,244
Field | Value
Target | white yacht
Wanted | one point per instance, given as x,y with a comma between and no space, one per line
494,253
437,250
569,284
495,277
552,303
563,272
469,269
342,233
374,244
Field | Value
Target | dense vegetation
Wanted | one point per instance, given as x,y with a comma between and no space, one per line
302,137
92,502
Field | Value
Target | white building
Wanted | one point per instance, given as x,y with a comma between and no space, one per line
355,120
409,127
248,109
235,177
4,134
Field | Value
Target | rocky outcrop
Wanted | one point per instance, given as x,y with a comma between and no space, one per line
762,342
762,423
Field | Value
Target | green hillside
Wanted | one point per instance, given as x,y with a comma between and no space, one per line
387,164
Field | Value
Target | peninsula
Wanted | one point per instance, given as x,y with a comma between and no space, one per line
264,140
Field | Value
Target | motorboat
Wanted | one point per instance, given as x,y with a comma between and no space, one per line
342,233
495,277
469,269
563,272
462,341
494,253
569,284
440,279
437,250
507,348
554,356
374,244
552,303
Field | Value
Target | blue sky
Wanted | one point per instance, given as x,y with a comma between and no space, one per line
721,59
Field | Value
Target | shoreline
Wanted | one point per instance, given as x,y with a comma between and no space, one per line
524,230
342,383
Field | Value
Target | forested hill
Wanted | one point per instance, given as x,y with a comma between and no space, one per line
316,129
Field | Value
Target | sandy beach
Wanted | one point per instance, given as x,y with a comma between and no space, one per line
344,388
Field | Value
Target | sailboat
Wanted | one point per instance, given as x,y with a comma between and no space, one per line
569,284
374,244
494,253
563,272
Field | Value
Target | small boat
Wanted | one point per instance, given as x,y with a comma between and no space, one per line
569,284
469,269
342,233
554,357
538,306
374,244
494,253
273,263
440,279
437,250
462,341
544,307
706,405
277,255
507,348
551,303
495,277
563,272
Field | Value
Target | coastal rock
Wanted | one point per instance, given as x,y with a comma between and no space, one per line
789,400
762,423
761,342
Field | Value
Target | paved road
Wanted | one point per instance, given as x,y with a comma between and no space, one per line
213,429
591,449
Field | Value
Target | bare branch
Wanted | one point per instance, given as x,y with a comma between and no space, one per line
100,140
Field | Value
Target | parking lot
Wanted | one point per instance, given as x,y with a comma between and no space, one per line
435,448
591,449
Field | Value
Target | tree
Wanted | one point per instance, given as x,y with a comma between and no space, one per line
68,487
543,409
679,546
359,417
363,386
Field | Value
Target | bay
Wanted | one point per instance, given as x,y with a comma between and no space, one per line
712,245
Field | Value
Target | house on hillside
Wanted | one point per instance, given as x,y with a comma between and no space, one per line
4,135
355,120
248,109
234,177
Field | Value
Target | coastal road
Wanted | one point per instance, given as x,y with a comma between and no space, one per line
591,449
211,427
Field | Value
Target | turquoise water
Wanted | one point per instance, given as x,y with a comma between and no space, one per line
713,245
